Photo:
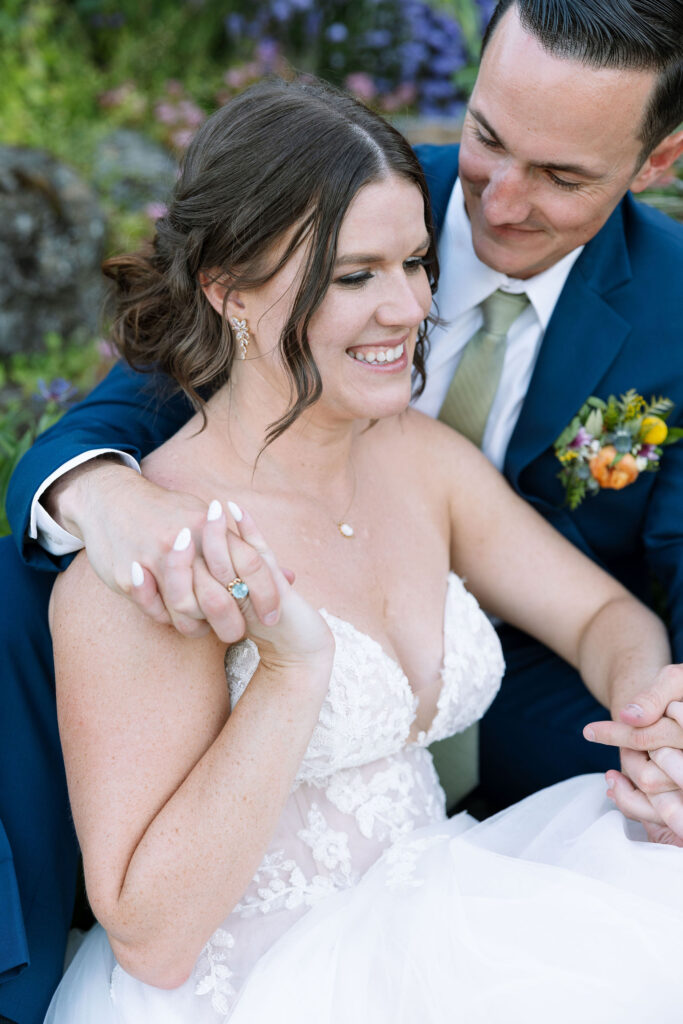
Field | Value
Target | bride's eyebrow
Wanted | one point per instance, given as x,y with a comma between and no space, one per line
364,257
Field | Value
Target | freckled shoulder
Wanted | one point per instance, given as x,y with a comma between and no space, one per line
429,439
438,458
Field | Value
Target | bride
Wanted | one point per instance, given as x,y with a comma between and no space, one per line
263,834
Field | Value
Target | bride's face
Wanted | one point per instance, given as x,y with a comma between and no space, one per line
363,334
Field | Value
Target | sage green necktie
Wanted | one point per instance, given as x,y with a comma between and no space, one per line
470,395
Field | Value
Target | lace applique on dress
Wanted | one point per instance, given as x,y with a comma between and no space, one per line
362,788
386,803
402,858
472,668
215,974
329,848
280,884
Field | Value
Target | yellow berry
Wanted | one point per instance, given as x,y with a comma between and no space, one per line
653,430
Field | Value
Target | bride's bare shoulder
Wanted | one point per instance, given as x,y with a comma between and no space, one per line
420,435
81,604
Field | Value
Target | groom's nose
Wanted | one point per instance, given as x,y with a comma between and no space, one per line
506,196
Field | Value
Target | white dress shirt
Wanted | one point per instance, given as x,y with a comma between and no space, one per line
465,282
42,527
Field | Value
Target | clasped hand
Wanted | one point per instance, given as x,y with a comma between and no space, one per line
179,575
649,733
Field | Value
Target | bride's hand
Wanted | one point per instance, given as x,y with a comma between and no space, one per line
299,632
293,633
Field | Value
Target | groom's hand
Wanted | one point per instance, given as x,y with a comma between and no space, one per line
650,734
129,526
651,720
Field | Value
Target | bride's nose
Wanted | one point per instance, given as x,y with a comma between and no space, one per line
403,303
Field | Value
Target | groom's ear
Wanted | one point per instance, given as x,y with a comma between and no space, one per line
659,161
216,287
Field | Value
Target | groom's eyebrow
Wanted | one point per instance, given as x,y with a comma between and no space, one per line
367,257
578,169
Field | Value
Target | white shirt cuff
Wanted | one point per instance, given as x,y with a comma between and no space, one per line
42,527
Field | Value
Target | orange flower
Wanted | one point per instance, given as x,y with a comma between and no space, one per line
609,476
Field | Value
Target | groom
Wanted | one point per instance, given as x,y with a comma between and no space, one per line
575,104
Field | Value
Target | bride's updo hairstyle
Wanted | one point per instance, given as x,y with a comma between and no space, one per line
280,158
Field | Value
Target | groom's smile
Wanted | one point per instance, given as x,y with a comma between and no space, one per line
549,147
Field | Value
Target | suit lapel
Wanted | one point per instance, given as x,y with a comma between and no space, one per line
581,342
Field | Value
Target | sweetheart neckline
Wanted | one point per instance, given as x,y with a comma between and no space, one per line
423,734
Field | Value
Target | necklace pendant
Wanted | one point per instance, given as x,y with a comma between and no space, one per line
345,529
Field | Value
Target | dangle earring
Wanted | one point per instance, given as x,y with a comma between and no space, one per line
242,335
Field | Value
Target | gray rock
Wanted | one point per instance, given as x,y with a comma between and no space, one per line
133,170
51,246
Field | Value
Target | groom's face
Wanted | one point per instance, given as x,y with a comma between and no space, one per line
549,148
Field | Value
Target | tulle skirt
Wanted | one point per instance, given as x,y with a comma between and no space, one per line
555,910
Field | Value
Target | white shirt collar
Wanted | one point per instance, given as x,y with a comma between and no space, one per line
470,281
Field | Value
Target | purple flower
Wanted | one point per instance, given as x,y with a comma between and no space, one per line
267,54
402,96
361,85
337,33
237,78
155,211
106,349
234,25
377,38
166,113
58,390
182,139
582,437
191,114
647,451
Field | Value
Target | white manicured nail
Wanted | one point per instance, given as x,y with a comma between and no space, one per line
182,541
235,511
215,511
136,574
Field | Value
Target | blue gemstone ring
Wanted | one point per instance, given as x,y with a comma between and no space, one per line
238,588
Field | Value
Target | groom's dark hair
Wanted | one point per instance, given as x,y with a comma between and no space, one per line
640,35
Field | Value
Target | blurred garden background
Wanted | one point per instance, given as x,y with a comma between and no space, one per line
98,101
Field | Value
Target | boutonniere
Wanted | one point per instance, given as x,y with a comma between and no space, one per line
609,444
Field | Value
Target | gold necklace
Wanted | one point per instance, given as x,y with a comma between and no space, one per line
343,525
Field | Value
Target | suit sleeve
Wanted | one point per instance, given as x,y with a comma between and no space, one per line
663,539
128,412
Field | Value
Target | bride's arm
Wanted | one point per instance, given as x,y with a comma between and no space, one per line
528,574
174,798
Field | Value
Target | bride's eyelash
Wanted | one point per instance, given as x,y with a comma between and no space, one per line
411,265
492,144
416,262
360,277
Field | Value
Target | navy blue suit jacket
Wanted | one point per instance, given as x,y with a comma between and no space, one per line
617,325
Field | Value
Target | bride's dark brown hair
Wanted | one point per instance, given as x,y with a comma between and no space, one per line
280,156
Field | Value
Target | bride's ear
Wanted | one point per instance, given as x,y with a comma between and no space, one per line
215,284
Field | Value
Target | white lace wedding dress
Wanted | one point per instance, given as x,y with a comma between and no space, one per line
370,907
